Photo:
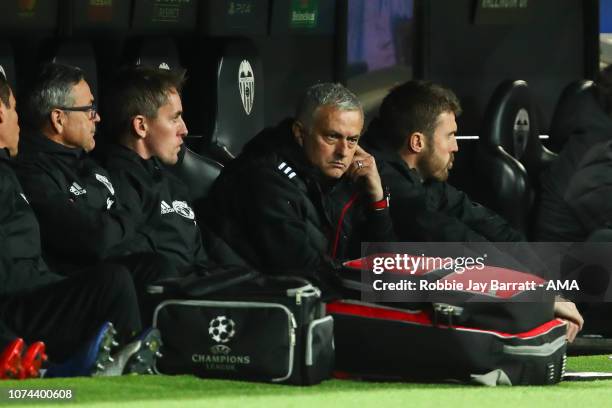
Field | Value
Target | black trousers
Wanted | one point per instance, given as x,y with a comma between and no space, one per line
68,313
146,269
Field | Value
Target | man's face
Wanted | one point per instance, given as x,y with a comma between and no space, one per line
10,133
436,158
331,141
165,132
80,126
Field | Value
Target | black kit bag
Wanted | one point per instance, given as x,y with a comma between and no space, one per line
488,338
381,342
271,329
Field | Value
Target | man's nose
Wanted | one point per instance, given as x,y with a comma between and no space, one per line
183,130
454,146
341,147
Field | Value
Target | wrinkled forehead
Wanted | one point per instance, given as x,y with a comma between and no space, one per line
348,122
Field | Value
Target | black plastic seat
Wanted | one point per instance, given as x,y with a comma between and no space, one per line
156,52
510,154
198,172
228,92
79,54
569,99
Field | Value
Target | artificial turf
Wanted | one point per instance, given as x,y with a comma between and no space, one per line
187,391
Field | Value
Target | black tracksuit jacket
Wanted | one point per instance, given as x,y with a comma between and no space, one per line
576,195
22,268
155,197
74,199
270,205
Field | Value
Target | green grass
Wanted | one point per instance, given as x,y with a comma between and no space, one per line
187,391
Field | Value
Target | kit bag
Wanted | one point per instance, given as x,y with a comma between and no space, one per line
271,329
507,336
382,342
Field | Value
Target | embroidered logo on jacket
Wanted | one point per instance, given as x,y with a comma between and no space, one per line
24,198
104,180
77,190
109,203
165,208
286,170
183,209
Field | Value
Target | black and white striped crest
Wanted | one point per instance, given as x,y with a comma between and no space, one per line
246,84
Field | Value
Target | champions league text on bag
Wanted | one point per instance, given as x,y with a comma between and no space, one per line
443,272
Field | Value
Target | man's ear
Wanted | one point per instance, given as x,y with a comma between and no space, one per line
58,120
139,126
2,112
298,132
417,142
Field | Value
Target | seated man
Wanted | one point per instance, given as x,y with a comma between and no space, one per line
73,197
39,305
414,137
145,116
575,199
304,194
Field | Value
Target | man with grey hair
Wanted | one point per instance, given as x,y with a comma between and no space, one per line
304,195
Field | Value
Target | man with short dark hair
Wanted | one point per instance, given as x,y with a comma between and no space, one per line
81,216
38,304
304,195
414,137
145,116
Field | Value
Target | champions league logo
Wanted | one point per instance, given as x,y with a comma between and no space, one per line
221,329
246,84
521,133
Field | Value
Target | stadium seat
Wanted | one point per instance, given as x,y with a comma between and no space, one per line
571,96
198,172
155,52
79,54
510,154
228,91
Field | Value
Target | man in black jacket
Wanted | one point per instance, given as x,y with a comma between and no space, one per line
575,199
81,216
417,167
145,115
414,137
36,303
304,195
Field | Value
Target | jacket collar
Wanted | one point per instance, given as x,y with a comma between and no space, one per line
279,140
38,143
4,154
151,165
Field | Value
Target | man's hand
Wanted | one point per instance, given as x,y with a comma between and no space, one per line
363,167
566,310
